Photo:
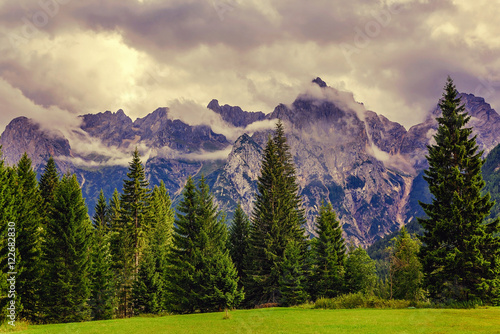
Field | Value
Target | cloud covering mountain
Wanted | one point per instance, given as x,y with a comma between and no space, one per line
83,57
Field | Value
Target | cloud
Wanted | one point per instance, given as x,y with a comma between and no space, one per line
343,100
216,155
391,161
15,104
193,114
90,56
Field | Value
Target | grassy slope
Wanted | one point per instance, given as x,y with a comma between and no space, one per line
294,320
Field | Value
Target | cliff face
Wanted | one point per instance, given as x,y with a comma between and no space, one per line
367,166
335,161
24,135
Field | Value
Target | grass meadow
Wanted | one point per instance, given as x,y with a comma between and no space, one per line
294,320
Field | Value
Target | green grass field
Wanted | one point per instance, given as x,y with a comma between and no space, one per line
296,320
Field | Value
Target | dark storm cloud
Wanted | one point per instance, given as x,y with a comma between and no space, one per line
88,56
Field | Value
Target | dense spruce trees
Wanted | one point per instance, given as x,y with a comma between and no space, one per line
66,255
201,276
7,214
48,183
293,279
102,282
28,209
277,218
149,290
238,242
460,252
328,255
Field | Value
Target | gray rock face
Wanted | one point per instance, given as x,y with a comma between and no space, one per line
235,115
384,134
330,147
115,129
237,182
24,135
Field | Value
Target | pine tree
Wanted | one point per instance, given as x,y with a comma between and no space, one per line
48,182
220,283
360,273
102,287
134,204
114,210
460,252
121,255
7,219
329,255
185,241
405,268
202,275
293,281
239,241
28,208
67,255
133,216
149,291
102,213
219,279
276,220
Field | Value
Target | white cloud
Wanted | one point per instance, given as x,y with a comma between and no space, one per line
216,155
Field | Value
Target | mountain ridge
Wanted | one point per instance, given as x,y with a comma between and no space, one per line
362,162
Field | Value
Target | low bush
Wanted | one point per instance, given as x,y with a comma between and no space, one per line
360,300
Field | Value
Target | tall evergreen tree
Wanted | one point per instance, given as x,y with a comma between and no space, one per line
121,255
185,241
7,215
28,207
460,252
149,291
239,233
219,279
67,255
134,204
329,255
48,182
276,220
102,287
293,281
102,213
114,210
202,275
133,215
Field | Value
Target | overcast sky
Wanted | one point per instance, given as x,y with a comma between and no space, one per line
60,58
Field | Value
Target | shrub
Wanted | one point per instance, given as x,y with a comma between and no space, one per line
360,300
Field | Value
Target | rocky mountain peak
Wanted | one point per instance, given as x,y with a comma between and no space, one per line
214,105
24,135
320,82
235,115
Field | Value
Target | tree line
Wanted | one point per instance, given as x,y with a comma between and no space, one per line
135,255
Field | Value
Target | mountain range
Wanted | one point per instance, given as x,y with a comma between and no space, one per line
368,167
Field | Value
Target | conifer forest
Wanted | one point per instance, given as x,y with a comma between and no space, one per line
141,254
